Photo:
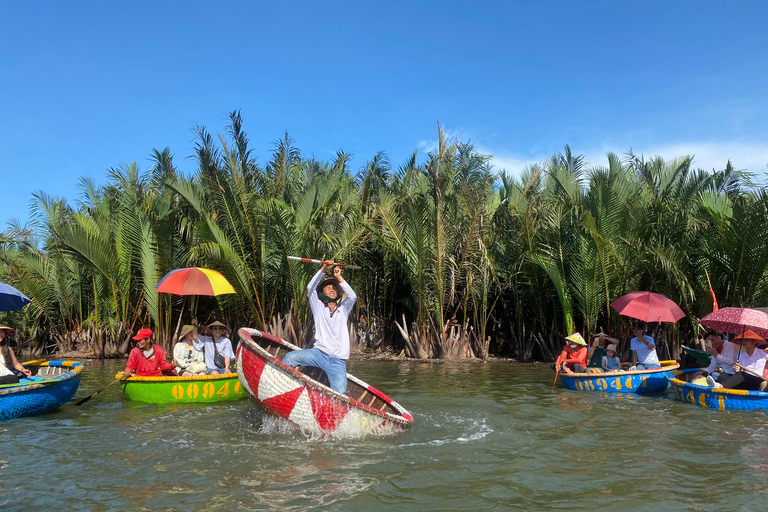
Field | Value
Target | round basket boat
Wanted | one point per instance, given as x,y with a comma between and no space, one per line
721,399
304,397
52,384
194,389
638,381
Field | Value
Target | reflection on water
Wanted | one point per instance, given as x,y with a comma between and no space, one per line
486,436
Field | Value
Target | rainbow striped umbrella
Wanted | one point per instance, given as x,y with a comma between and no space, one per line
195,281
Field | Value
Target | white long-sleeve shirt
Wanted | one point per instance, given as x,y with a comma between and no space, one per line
755,362
724,359
331,333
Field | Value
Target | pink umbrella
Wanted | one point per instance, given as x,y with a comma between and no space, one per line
737,320
648,307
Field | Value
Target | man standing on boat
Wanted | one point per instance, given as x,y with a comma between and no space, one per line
331,301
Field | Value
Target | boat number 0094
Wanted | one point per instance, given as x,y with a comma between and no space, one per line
209,390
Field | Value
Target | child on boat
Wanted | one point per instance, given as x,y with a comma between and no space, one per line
8,362
573,358
597,350
188,360
147,359
611,361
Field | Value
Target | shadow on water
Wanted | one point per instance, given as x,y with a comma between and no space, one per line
486,437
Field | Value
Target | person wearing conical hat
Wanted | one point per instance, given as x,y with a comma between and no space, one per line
331,300
643,347
217,347
751,364
187,359
573,358
8,361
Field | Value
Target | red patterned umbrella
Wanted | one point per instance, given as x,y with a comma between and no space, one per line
737,320
648,307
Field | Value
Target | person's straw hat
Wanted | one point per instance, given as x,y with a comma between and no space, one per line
186,330
576,338
9,330
611,346
218,324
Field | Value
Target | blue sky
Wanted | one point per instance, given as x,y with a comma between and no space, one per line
86,86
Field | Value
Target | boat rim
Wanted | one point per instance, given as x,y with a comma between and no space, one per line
621,373
75,366
176,378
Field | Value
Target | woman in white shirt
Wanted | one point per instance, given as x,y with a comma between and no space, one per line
187,359
8,361
752,359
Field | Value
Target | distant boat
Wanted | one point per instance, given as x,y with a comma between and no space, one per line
721,399
52,384
638,381
305,399
172,389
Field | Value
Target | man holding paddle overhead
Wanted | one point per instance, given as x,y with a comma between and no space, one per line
331,301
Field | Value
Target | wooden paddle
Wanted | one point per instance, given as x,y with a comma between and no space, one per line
81,402
750,372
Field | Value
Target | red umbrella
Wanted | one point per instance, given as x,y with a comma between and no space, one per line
648,307
737,320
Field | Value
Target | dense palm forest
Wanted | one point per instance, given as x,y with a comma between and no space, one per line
458,259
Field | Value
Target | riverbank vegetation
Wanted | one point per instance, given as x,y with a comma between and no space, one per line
458,259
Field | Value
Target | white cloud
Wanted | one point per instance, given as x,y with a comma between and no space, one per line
708,156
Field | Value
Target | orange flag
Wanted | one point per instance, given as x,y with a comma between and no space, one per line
715,307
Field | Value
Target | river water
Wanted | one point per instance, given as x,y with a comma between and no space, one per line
486,437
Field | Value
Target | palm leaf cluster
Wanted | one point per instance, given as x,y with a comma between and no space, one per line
459,259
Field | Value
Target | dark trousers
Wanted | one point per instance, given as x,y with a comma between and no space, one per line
576,367
742,380
9,379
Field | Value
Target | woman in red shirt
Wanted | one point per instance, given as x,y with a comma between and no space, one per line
573,358
146,359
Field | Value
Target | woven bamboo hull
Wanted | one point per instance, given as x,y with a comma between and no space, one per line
720,399
170,390
60,380
283,391
641,381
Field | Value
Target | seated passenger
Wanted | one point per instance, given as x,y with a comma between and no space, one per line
147,359
8,363
597,350
611,362
217,344
188,360
643,349
573,358
724,354
752,359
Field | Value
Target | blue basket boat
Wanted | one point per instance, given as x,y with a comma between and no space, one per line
721,399
638,381
52,384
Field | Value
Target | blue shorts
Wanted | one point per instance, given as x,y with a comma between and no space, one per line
334,368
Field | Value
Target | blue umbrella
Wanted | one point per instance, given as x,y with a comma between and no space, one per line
11,299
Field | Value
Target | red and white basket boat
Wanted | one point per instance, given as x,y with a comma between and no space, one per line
304,397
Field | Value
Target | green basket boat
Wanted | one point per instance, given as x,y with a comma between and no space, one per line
195,389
